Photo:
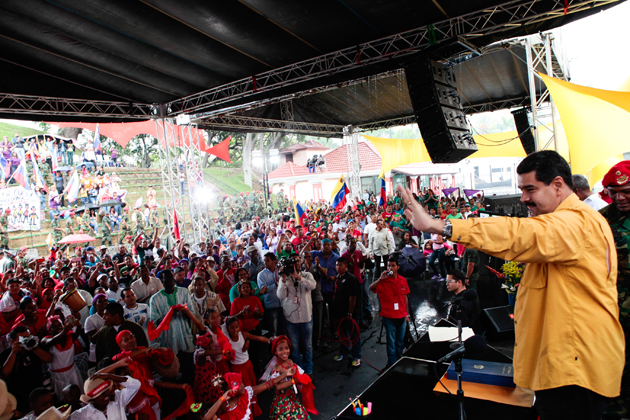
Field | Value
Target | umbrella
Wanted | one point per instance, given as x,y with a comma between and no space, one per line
63,169
75,239
111,203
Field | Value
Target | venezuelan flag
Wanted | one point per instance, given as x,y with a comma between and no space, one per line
97,138
21,176
300,214
382,193
339,193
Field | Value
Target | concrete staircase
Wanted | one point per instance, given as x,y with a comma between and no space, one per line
136,181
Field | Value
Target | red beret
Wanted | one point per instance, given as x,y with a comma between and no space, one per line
618,175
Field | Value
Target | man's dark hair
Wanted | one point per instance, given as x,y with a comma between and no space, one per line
25,301
115,308
342,260
271,256
36,394
458,275
122,293
548,165
17,330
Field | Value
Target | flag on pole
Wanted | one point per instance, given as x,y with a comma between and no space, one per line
382,193
448,191
49,241
72,189
5,167
138,203
339,193
471,192
300,215
175,225
21,176
97,138
39,180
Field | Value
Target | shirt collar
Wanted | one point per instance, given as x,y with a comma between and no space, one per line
569,202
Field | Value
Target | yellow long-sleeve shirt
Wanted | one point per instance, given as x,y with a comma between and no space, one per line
566,316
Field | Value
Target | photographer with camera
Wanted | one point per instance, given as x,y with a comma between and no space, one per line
392,290
22,366
294,290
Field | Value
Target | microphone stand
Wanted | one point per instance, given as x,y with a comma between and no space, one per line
458,362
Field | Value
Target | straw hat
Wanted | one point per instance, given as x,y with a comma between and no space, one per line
54,414
94,387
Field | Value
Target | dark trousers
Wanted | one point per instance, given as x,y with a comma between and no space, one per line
377,266
438,254
570,403
186,367
318,321
327,320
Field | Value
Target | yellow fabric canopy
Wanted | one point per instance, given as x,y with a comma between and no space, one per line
398,152
595,122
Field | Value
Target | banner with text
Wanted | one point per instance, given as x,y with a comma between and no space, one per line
24,206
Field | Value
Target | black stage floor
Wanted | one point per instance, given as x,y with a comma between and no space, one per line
336,382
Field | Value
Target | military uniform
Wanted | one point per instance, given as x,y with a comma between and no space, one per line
107,231
69,226
619,175
125,228
139,222
57,234
4,231
85,224
471,256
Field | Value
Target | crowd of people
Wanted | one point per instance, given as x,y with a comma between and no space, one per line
57,159
194,318
150,332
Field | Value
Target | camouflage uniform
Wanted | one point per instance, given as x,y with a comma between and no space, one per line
125,228
139,222
85,224
107,232
4,231
620,226
69,226
57,234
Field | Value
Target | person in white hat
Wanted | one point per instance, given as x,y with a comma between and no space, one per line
102,400
54,414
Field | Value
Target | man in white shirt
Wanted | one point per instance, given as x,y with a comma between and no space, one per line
136,312
295,293
381,244
369,228
584,193
146,286
103,400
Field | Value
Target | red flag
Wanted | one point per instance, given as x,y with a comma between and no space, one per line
175,225
156,332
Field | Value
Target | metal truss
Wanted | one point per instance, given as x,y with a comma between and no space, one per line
539,51
351,143
198,117
236,122
44,105
489,21
191,142
166,132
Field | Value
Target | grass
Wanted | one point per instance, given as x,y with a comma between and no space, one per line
7,129
230,176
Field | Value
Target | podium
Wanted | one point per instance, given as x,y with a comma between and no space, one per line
406,390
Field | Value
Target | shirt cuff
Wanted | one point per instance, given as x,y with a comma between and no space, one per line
461,231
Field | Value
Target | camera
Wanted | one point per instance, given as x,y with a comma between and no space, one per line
287,264
30,342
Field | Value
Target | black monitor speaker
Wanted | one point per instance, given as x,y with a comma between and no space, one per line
438,108
524,129
501,318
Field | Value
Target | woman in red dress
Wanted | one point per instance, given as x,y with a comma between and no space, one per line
235,403
210,359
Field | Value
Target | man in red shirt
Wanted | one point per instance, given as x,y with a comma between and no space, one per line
392,290
299,237
388,215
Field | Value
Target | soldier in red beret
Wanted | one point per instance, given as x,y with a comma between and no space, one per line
617,184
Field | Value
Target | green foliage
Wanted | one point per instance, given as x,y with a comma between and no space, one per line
232,177
7,129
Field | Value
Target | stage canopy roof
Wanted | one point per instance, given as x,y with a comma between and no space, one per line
120,60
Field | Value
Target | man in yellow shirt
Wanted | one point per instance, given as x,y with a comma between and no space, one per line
569,345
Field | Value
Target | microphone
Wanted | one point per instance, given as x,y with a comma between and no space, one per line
475,344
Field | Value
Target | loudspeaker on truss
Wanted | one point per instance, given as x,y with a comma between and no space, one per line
438,108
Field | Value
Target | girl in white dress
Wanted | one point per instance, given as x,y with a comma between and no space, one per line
61,344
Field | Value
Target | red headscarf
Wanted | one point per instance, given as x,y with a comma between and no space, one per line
233,380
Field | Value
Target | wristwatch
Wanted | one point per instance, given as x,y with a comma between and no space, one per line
448,229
